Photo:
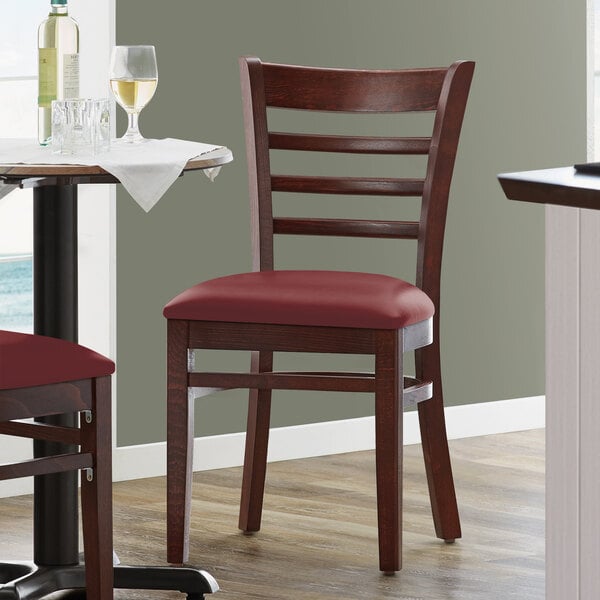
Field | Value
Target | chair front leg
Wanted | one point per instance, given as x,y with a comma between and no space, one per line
257,442
388,447
96,495
180,440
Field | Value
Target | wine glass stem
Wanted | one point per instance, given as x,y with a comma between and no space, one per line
133,133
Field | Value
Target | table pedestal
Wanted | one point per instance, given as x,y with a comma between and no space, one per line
26,581
56,563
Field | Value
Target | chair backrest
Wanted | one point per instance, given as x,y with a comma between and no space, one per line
443,90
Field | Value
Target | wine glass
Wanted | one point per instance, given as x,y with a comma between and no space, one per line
133,81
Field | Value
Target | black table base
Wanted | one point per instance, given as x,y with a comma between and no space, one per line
26,581
56,563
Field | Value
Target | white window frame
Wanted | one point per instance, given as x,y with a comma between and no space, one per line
97,203
97,222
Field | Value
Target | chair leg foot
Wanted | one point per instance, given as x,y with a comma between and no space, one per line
180,439
388,448
96,496
434,441
255,461
257,442
439,469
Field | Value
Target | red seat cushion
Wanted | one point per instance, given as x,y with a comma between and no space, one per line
28,360
328,298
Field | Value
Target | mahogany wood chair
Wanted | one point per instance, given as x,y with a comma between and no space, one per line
271,310
42,377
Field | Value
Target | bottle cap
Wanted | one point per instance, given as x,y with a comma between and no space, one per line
58,1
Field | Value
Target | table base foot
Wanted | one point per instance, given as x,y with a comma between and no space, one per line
26,581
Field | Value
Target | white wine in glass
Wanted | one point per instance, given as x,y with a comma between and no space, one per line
133,81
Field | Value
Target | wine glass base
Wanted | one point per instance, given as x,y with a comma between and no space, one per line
132,139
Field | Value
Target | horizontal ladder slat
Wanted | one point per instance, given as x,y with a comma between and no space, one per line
403,230
41,431
367,186
351,144
46,465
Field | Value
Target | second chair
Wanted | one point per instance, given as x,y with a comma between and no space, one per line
42,377
270,310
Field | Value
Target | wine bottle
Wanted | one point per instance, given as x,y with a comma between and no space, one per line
58,60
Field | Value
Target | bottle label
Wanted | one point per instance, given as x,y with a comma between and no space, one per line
70,75
47,77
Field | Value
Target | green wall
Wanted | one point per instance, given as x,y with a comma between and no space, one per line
526,110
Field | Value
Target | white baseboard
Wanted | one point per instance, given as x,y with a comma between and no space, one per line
332,437
319,439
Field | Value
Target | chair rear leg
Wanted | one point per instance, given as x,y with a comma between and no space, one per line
257,442
180,440
388,447
96,495
435,446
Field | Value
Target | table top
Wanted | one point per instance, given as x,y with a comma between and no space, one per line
26,175
563,186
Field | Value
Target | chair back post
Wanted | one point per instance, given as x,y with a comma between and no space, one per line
259,168
440,166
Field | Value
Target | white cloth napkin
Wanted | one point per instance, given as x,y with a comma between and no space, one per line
146,170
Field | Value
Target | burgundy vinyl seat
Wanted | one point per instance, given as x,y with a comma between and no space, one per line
30,360
41,377
326,298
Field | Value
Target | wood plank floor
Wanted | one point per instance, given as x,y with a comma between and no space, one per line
319,538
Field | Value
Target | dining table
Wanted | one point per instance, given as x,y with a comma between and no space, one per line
571,195
56,561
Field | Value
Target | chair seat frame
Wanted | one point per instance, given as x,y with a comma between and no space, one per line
92,399
393,393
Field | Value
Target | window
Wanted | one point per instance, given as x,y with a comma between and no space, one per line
18,118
